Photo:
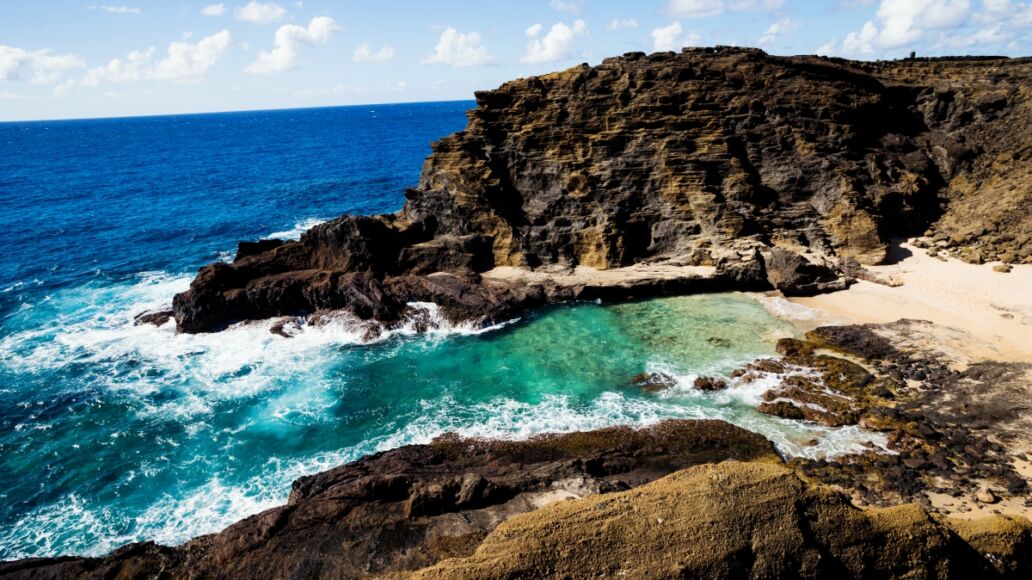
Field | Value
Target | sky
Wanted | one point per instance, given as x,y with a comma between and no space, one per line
80,59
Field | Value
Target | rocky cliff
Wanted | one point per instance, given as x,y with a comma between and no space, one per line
727,168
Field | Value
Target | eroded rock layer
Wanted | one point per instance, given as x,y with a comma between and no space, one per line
746,520
583,505
745,169
414,506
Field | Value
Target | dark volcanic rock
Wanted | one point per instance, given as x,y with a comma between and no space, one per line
772,170
156,317
962,429
653,382
794,275
414,506
709,383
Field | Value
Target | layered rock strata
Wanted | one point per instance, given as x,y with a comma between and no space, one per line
729,168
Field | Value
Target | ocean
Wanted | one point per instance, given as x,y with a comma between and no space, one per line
112,433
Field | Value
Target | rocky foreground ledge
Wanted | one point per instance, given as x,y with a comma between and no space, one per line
558,506
947,497
726,168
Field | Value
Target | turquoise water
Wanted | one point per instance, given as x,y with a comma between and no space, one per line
111,433
180,435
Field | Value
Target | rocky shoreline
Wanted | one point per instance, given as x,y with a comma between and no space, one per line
957,435
709,170
745,171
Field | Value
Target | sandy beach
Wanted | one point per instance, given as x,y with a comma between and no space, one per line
994,308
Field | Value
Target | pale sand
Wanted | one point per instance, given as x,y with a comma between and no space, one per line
585,276
994,308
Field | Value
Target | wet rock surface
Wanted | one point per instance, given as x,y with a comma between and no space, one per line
413,506
779,172
669,500
951,431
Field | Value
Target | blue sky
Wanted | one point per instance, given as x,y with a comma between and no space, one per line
72,59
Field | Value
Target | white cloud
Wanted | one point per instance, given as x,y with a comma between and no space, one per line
47,66
260,13
694,8
214,10
861,42
778,29
190,63
571,6
288,39
133,67
672,37
900,23
827,49
117,9
365,54
556,44
744,5
622,24
184,62
459,49
994,35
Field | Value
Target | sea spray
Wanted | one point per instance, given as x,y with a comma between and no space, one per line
150,434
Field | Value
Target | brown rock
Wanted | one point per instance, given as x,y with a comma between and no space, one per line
157,318
653,382
416,505
782,409
775,169
986,495
709,514
709,383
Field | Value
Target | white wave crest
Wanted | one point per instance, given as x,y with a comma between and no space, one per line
783,308
96,325
295,232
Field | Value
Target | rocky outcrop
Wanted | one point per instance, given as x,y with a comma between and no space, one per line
682,498
954,428
742,169
411,507
745,520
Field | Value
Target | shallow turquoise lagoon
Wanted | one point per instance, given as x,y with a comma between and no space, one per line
119,432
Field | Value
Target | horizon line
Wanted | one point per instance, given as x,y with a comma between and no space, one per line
228,112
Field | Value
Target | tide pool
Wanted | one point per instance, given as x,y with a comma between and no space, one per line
120,432
112,432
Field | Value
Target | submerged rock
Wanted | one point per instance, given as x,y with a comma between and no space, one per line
653,382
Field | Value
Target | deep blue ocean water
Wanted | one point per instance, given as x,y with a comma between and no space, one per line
111,432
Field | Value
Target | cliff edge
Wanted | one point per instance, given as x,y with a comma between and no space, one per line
711,169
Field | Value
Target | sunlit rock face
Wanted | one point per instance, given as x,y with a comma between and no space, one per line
707,158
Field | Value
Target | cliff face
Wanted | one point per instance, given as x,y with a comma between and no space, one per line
676,157
775,171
